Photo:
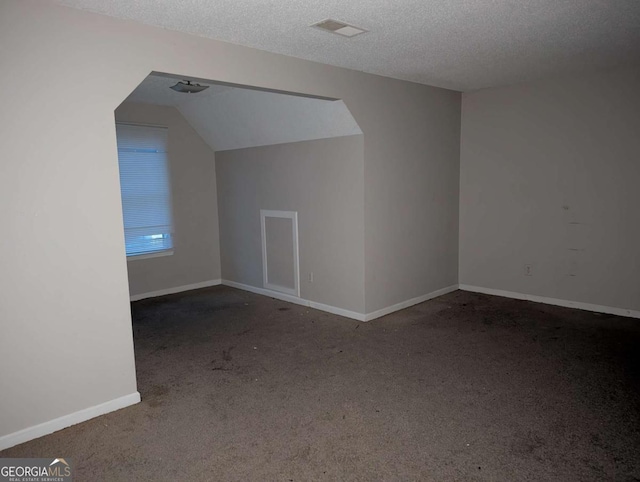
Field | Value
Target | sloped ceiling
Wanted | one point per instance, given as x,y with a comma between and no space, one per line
234,118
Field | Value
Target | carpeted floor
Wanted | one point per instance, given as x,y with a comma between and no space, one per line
240,387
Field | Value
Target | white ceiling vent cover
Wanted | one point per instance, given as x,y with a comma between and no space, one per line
341,28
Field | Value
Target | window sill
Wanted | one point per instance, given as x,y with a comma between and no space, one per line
158,254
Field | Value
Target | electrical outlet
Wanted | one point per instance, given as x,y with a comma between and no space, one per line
528,270
311,277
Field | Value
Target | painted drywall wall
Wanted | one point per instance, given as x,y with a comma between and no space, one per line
549,178
323,181
196,244
411,189
63,281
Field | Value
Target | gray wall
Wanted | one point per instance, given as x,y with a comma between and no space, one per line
63,265
196,255
549,177
323,181
411,194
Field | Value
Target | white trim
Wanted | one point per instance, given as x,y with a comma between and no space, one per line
294,299
65,421
354,315
406,304
176,289
266,292
293,215
157,254
554,301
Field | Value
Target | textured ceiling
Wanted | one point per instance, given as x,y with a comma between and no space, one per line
234,118
457,44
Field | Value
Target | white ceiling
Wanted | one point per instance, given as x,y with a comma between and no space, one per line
155,90
457,44
234,118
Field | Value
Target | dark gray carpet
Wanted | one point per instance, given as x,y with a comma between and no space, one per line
241,387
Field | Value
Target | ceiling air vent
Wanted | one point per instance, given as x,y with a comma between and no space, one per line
341,28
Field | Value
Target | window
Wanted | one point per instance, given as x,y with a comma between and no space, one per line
144,185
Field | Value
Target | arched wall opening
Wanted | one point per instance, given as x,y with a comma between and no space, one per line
233,153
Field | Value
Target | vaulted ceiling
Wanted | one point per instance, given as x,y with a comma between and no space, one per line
234,118
457,44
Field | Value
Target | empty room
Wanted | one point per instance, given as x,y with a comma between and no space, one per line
320,240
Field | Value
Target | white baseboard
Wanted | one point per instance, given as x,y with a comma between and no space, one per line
176,289
339,311
553,301
65,421
294,299
354,315
406,304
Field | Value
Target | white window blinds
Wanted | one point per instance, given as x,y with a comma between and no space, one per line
145,188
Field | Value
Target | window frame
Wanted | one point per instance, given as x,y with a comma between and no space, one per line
163,252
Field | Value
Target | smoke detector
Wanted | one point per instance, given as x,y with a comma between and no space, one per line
341,28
